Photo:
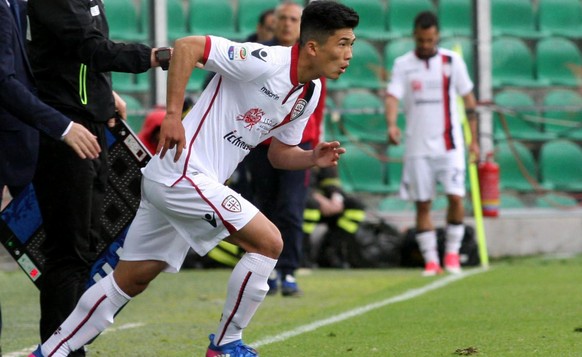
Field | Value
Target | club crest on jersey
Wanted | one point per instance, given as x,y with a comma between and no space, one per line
416,85
251,117
231,204
237,53
298,108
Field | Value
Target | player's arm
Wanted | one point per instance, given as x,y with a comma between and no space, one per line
187,52
391,112
394,91
292,157
470,110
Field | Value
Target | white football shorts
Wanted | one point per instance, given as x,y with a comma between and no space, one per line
420,174
197,212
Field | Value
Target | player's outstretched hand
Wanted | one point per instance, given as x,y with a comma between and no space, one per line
327,154
394,135
83,142
172,135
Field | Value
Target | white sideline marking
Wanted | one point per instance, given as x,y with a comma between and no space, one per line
124,327
26,351
410,294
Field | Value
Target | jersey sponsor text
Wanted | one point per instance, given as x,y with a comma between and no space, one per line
237,141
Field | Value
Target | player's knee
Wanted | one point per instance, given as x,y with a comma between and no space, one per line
277,245
423,209
455,200
133,288
138,286
272,244
134,277
261,237
456,204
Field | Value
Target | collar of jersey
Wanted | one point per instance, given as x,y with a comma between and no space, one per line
426,58
294,62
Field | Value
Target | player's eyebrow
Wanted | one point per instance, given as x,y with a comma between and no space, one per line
348,39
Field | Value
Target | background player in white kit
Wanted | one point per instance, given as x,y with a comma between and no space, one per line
259,92
428,80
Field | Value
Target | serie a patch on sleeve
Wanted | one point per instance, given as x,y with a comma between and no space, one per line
237,53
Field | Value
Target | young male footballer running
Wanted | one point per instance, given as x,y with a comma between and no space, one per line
259,92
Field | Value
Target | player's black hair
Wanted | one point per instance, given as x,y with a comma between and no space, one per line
320,19
425,20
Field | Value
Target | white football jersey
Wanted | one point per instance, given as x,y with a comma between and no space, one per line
254,96
428,88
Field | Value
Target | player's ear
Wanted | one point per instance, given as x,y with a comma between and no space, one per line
312,47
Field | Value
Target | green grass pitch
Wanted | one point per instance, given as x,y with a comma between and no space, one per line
518,307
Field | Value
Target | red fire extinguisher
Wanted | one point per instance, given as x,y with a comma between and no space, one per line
489,186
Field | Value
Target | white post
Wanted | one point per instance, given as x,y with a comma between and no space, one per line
159,25
482,18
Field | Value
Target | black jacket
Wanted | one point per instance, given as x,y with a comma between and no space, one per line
71,57
22,114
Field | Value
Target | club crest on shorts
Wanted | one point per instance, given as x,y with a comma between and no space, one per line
298,108
231,204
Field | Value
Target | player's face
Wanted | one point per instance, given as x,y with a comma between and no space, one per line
336,52
426,41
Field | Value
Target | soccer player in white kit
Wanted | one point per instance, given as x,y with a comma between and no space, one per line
428,79
259,92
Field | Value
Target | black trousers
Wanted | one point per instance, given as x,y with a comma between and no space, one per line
70,194
280,195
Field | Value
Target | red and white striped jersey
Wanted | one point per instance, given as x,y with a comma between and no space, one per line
428,89
255,95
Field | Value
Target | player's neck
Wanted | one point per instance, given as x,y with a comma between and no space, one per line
306,70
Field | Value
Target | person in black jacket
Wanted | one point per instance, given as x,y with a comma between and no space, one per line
72,57
22,114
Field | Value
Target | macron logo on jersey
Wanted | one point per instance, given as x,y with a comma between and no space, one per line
260,54
269,94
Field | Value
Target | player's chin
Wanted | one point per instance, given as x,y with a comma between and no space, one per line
335,75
